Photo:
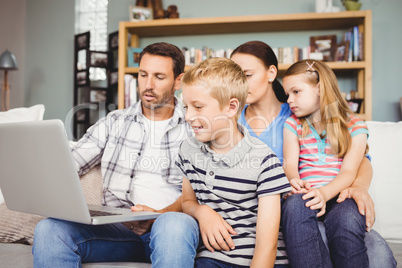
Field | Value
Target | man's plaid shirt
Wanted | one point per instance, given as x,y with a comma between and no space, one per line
116,142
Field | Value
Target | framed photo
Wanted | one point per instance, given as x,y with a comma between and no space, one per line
138,13
324,44
96,95
82,78
82,41
355,105
342,51
114,77
82,115
133,54
114,40
98,59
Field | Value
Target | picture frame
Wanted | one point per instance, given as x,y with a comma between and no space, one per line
82,78
114,76
324,44
82,116
133,55
342,51
97,95
138,13
114,40
82,41
98,59
355,105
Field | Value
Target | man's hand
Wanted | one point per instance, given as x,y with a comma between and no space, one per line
364,203
140,227
215,231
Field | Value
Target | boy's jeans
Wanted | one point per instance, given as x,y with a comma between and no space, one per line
66,244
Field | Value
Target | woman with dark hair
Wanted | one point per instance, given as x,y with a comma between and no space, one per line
264,116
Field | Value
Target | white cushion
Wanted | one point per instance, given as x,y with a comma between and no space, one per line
34,113
385,147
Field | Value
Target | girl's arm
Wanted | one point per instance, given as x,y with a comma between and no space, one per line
345,177
215,231
268,219
291,151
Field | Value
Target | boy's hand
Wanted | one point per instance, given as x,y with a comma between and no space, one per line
317,202
215,231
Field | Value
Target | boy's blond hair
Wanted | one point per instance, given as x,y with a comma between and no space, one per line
223,77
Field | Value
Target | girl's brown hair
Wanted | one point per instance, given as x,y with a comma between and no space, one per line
334,110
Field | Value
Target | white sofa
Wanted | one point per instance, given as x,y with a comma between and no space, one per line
385,143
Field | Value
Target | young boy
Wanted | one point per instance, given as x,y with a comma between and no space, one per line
228,175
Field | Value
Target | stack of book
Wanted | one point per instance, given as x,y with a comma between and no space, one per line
194,55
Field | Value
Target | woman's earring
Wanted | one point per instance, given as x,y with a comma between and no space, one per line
270,80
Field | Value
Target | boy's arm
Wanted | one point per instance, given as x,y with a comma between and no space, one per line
345,177
359,192
268,219
215,231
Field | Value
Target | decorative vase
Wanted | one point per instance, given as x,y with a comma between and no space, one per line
352,5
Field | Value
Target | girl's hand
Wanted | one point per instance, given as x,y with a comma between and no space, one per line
215,231
318,201
299,186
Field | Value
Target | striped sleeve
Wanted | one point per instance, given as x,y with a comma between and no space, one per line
272,179
291,124
357,126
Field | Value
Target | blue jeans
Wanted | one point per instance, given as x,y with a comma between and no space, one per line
66,244
345,229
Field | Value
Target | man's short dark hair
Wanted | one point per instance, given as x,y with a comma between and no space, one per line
166,50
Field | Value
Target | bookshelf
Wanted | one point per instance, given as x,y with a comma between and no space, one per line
259,23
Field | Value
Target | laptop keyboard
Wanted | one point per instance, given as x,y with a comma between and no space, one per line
96,213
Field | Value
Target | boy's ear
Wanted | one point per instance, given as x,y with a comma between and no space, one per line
177,81
233,107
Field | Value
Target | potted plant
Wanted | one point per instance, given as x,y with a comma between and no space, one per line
351,4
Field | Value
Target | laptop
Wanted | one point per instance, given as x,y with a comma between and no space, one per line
38,176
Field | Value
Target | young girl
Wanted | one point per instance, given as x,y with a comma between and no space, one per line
324,144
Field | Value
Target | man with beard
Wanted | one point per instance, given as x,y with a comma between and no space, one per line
136,149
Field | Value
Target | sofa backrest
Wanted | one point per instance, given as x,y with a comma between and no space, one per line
385,148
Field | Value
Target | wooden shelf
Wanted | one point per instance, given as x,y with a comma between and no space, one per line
257,23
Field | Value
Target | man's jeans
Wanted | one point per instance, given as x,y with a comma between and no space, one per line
66,244
345,229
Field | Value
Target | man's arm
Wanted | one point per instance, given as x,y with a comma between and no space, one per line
359,192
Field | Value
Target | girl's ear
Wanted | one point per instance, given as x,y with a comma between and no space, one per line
318,88
233,107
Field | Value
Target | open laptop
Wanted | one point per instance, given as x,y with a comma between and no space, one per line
38,176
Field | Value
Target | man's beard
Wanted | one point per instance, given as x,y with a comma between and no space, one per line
160,101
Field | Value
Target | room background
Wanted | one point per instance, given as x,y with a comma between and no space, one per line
40,33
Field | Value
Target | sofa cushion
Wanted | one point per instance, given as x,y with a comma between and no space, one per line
385,146
33,113
17,227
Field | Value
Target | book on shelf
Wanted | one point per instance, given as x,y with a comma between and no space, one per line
130,90
354,36
195,55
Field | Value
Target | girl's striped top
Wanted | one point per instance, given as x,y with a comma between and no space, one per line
317,164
